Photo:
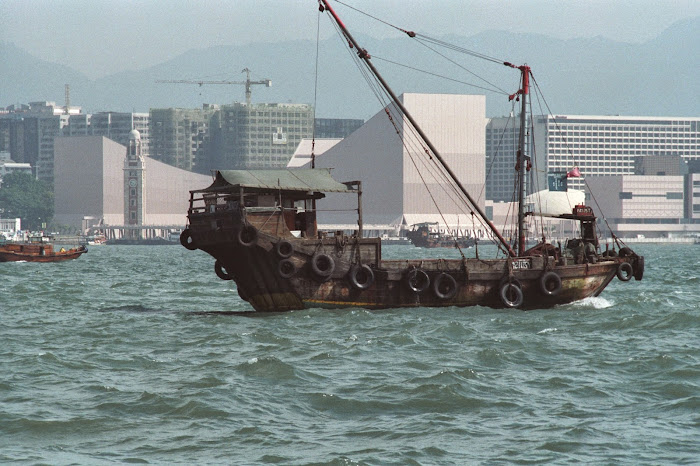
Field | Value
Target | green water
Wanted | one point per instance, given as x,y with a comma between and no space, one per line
137,355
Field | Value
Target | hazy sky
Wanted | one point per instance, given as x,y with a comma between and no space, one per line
91,35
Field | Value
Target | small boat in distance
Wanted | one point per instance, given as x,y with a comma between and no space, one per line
95,240
428,235
37,249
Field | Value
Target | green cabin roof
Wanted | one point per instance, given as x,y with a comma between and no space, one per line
306,180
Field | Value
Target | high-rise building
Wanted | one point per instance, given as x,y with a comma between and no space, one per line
597,145
117,126
257,136
325,128
178,136
28,133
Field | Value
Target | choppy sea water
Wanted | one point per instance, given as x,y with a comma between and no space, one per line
135,354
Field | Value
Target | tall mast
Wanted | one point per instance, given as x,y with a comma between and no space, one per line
364,55
522,164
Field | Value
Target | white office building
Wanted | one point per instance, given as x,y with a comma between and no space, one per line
597,145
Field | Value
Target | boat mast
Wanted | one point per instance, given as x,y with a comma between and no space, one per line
364,55
522,164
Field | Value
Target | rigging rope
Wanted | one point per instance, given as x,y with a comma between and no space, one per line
413,141
573,157
313,126
497,90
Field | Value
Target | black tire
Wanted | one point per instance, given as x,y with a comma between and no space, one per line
361,276
445,286
284,249
221,271
247,236
286,268
322,265
624,271
186,239
639,268
511,294
550,283
417,280
624,252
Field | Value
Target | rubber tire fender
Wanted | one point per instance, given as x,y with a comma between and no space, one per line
445,286
221,271
286,268
417,280
546,280
625,271
284,249
322,265
186,239
639,268
624,252
361,276
514,287
247,235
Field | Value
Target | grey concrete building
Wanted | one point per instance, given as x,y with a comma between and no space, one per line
118,125
400,185
178,136
91,187
257,136
646,205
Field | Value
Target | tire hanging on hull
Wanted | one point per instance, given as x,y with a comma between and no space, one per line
221,271
511,293
445,286
361,276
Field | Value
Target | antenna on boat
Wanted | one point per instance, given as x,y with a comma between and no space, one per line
365,56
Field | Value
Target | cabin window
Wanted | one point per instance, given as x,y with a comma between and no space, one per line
626,195
674,195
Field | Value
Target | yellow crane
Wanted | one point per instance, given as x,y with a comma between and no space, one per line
248,83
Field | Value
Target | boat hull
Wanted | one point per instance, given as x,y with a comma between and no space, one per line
274,281
37,253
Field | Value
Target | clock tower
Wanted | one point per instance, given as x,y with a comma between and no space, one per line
134,184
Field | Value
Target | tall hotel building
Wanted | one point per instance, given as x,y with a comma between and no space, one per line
257,136
598,145
178,136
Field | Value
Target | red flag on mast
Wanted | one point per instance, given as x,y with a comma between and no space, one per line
574,173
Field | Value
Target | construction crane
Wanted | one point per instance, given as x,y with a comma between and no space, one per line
248,83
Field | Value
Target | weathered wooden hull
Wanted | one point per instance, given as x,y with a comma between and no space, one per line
277,272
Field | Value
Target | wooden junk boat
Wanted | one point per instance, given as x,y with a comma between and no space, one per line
37,251
427,235
260,226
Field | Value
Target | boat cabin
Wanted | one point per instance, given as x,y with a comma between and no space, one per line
278,202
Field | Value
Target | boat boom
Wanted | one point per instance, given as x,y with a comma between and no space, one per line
365,56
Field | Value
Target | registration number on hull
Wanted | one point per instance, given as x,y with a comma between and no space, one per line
520,264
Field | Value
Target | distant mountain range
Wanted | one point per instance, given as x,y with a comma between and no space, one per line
579,76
